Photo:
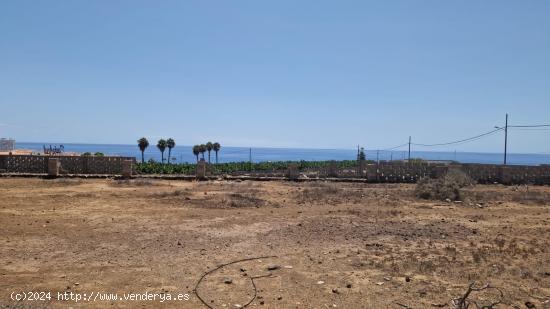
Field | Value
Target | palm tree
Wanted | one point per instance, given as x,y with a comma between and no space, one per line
209,147
216,146
196,151
170,143
143,143
202,148
361,156
161,145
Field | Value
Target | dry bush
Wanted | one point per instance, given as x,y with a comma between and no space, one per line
446,187
459,177
489,297
316,192
242,200
328,192
175,193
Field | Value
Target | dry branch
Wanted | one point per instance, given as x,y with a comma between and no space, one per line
464,302
195,290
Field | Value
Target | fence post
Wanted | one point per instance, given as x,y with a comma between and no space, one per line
200,172
86,167
53,167
3,163
127,166
332,169
360,168
504,175
292,172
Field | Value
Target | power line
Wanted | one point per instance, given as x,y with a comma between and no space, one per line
537,127
459,141
531,126
530,129
393,148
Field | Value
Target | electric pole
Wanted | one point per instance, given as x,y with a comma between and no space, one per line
505,139
409,149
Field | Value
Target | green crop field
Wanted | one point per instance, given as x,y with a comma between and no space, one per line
235,167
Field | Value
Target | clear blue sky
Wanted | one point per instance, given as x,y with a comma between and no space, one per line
328,74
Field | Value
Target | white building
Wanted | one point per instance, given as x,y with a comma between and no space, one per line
7,144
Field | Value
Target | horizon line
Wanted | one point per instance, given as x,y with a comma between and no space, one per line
304,148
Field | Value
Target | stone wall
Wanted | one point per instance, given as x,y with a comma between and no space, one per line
482,173
393,172
401,171
69,164
509,174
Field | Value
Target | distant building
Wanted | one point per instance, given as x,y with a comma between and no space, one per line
7,144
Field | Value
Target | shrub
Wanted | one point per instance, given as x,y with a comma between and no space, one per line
86,154
99,154
443,188
459,178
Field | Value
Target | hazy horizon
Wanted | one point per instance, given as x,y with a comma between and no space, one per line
413,149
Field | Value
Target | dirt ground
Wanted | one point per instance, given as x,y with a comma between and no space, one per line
335,245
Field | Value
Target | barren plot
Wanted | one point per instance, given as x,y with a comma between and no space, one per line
323,244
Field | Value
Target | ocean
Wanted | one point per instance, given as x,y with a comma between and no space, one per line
235,154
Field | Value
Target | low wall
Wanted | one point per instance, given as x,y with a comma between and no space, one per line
403,172
482,173
508,174
392,172
69,164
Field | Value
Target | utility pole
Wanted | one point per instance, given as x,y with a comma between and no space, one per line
250,158
505,139
409,149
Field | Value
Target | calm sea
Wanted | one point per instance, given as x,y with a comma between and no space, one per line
232,154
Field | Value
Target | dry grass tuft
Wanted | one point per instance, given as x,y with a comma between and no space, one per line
174,193
238,200
531,198
62,182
